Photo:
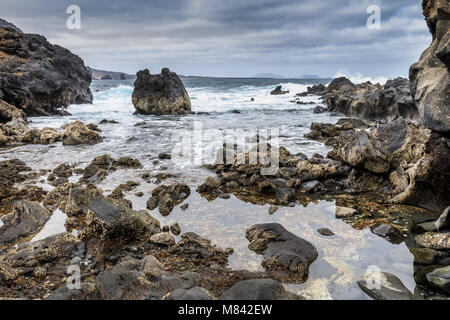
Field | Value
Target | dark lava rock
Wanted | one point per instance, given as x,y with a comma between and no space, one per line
278,91
385,286
325,232
26,219
258,289
388,232
106,121
63,171
320,109
167,197
318,89
111,219
39,77
160,94
282,250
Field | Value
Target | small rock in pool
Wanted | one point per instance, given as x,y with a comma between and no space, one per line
175,229
185,206
385,286
325,232
273,209
165,156
440,278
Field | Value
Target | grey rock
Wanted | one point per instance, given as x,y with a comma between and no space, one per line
444,220
196,293
440,279
257,289
385,286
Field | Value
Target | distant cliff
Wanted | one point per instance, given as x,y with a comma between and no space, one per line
109,75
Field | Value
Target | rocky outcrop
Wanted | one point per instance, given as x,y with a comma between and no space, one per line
9,112
374,102
430,76
283,251
415,159
160,94
167,197
17,131
77,133
38,77
278,91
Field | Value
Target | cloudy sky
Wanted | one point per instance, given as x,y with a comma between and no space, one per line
233,37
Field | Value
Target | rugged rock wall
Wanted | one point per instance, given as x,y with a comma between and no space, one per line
160,94
39,77
430,77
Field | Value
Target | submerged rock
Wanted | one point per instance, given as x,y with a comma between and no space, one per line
434,240
167,197
77,133
385,286
283,251
430,76
440,279
25,59
160,94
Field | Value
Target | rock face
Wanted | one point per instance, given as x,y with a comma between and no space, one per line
38,77
283,251
430,77
78,133
160,94
374,102
415,159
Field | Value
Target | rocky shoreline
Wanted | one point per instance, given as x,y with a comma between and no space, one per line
387,171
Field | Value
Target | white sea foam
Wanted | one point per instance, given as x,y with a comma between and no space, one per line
359,78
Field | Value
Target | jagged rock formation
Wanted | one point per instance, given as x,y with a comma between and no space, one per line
38,77
374,102
160,94
430,77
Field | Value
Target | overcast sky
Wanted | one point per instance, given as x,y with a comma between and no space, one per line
232,37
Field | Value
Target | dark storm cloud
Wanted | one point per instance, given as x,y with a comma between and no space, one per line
233,37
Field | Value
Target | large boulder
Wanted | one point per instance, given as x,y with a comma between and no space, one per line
430,77
160,94
38,77
9,112
374,102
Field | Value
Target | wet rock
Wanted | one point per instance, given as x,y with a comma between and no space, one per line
444,220
285,195
163,238
319,109
434,240
167,197
425,256
388,232
165,156
430,76
278,91
318,89
26,57
385,286
309,186
113,220
196,294
49,136
160,94
77,133
440,279
325,232
106,121
63,171
63,293
273,209
26,219
152,267
282,250
175,229
258,289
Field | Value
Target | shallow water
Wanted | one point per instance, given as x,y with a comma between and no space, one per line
343,258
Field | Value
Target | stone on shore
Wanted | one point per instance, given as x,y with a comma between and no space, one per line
160,94
77,133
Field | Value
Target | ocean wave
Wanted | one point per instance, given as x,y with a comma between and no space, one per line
358,78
